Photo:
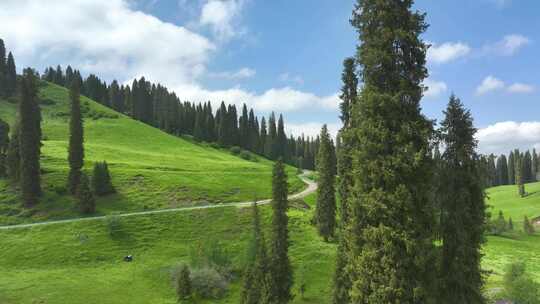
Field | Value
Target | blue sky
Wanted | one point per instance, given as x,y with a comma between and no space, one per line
286,55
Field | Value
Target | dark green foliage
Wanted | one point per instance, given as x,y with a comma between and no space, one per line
76,140
325,212
13,155
519,172
511,169
101,179
4,147
279,276
510,224
463,209
208,283
255,273
502,170
3,70
85,197
348,90
183,284
499,226
520,287
10,77
527,168
30,139
391,240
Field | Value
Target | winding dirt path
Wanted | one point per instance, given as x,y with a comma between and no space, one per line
311,187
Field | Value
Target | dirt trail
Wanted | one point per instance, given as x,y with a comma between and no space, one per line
311,187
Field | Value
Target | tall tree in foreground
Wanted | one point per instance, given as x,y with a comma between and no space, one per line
279,276
4,147
463,209
254,280
392,221
76,139
349,94
30,139
518,168
325,212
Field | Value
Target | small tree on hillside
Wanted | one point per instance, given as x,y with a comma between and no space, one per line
76,139
101,179
183,284
87,203
510,224
528,226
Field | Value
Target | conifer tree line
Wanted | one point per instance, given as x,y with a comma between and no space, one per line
228,126
516,168
399,194
8,73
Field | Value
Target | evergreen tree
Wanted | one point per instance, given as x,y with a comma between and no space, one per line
527,167
534,166
87,203
183,284
279,276
270,145
254,277
518,168
3,70
14,156
511,169
528,226
101,179
462,207
11,76
502,170
510,224
392,223
492,171
76,139
29,140
325,212
115,96
281,141
4,147
342,282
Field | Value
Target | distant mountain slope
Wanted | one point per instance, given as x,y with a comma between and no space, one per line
150,168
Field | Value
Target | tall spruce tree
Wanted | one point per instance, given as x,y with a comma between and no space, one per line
463,209
254,276
527,167
392,239
325,212
3,69
76,140
511,169
281,141
30,139
502,170
518,168
279,276
11,76
349,94
4,147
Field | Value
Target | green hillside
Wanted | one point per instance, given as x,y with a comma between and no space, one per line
79,262
150,169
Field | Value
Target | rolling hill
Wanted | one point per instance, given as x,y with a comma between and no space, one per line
150,169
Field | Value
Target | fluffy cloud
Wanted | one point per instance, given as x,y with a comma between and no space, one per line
240,74
220,16
312,129
434,88
491,83
505,136
113,40
508,46
447,52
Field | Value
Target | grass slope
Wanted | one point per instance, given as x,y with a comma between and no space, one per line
150,169
81,263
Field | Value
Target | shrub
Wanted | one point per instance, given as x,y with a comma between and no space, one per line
182,280
245,155
208,283
101,179
211,254
87,203
114,224
519,286
215,145
235,150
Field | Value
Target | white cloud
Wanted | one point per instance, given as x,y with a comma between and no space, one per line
220,16
489,84
447,52
434,88
520,88
503,137
240,74
311,129
286,77
111,39
508,46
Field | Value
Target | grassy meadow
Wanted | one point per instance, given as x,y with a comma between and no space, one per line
150,169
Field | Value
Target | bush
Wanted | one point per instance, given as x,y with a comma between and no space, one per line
114,224
182,282
215,145
245,155
101,179
235,150
211,254
208,283
519,286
